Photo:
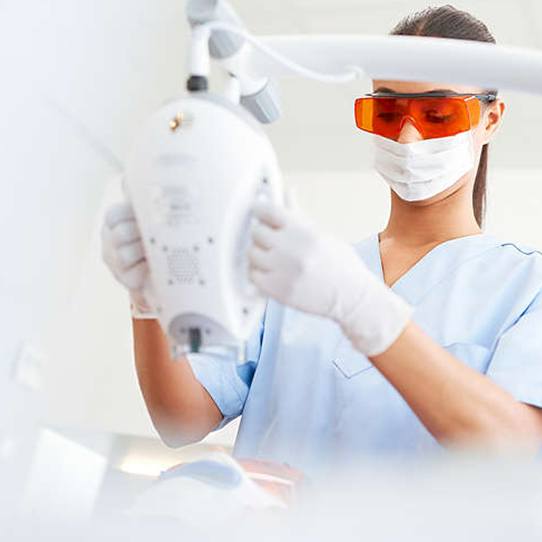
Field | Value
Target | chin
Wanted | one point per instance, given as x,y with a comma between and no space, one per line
441,196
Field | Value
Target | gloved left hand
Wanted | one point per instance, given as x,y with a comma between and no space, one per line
292,262
124,255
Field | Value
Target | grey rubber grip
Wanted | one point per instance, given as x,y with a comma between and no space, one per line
264,104
222,43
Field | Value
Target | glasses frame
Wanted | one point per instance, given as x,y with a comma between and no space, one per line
485,98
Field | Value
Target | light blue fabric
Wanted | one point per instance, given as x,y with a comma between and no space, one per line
227,380
308,398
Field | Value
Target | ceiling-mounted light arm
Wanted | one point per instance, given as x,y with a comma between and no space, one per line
228,45
198,59
254,60
403,58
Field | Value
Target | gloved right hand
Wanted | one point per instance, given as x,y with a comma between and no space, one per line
299,266
123,253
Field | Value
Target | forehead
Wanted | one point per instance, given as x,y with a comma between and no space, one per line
409,87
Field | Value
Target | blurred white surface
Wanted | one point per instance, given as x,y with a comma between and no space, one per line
465,498
64,480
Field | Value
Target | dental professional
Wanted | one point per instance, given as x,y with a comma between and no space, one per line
428,334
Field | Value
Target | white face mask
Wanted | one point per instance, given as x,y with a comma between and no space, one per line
423,169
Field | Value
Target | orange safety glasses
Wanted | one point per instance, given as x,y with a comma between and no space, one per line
433,114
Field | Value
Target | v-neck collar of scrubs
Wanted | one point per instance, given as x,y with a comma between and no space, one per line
435,266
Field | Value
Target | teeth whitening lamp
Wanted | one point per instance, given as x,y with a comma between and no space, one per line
202,160
195,172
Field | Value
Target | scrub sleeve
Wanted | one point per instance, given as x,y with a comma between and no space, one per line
227,379
516,364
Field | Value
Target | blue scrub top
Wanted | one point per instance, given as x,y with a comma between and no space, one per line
310,400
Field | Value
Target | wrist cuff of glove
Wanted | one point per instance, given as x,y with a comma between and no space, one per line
377,320
140,309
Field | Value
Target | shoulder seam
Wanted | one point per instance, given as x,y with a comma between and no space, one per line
519,249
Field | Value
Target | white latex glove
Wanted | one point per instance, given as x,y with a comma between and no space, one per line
122,251
298,266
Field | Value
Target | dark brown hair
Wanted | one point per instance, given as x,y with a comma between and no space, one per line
449,22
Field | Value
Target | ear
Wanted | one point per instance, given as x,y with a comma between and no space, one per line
493,119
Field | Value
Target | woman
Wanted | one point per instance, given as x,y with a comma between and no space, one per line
426,334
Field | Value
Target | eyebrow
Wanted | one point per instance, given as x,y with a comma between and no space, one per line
435,91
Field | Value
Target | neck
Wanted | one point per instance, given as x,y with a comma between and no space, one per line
431,223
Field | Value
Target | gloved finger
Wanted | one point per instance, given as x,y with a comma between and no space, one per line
134,278
129,255
124,233
270,213
263,236
119,212
260,259
108,250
